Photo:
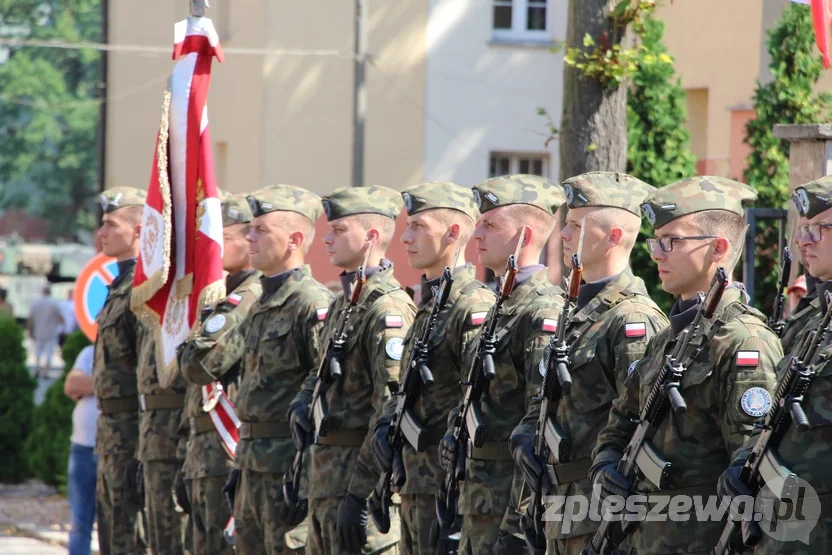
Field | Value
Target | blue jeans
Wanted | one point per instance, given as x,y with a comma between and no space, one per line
81,485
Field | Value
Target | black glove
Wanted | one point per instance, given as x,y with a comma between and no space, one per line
444,541
352,523
181,495
230,488
448,453
292,514
300,425
612,482
135,481
523,452
382,452
509,543
730,485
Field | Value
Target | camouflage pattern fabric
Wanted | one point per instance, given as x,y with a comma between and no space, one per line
814,197
165,527
440,194
235,210
605,338
573,545
348,201
418,513
258,527
491,487
804,318
209,515
482,534
115,510
519,189
607,189
696,194
287,198
323,536
719,418
119,197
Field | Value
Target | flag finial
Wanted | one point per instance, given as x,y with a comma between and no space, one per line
198,7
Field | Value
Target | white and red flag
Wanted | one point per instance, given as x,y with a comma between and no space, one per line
179,269
821,18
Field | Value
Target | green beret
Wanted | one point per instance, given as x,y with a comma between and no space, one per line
119,197
519,189
235,210
374,199
440,194
697,194
607,189
813,197
285,198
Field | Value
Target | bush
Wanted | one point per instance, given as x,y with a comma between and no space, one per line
17,389
48,446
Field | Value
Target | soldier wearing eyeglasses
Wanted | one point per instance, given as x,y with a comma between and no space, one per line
699,227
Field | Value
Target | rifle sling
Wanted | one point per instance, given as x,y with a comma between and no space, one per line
566,473
491,451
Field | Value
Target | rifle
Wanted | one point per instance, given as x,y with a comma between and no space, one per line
468,423
329,371
763,463
640,458
777,322
404,425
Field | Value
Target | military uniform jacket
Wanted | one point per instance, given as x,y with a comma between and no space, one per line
456,326
114,369
605,338
525,327
280,337
205,358
799,323
718,387
369,369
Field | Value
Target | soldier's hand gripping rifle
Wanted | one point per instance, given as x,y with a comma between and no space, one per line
640,458
763,463
777,322
404,425
329,371
468,423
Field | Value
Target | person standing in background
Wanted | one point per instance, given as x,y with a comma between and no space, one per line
44,324
67,307
5,307
83,462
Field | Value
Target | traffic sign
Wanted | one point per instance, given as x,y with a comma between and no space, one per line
91,288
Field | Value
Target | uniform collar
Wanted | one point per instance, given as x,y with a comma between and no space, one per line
233,281
124,268
272,284
590,290
683,312
822,288
347,277
526,272
426,290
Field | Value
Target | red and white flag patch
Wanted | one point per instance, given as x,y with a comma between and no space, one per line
234,299
550,325
321,313
748,358
478,318
393,321
636,329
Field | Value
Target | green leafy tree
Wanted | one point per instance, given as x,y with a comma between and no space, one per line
789,98
49,112
658,143
16,402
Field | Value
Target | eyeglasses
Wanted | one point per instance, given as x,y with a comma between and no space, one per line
666,243
813,232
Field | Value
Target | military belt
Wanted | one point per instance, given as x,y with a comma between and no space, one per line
264,430
344,437
491,451
703,490
161,402
566,473
825,500
119,404
201,424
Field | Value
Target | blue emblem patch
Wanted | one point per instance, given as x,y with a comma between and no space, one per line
756,402
632,367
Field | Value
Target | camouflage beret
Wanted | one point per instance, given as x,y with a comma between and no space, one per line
285,198
607,189
235,210
506,190
813,197
119,197
374,199
440,194
697,194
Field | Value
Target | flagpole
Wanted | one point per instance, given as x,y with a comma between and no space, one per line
360,98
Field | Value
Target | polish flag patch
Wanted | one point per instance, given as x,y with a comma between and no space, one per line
234,299
393,321
478,318
322,312
550,325
636,329
748,358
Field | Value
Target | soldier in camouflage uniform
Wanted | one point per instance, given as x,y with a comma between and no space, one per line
612,323
342,460
114,375
489,500
440,220
207,357
279,339
699,226
807,454
807,309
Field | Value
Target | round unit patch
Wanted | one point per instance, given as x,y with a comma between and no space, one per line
215,323
756,401
394,348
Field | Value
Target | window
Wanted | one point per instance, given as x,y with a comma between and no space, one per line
504,164
522,19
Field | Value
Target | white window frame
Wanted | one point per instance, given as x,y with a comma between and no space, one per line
519,16
514,160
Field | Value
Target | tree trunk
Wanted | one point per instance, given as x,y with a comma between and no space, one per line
593,132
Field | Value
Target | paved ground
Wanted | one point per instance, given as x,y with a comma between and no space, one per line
21,545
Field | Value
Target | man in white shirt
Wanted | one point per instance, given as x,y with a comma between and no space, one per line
44,325
67,307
